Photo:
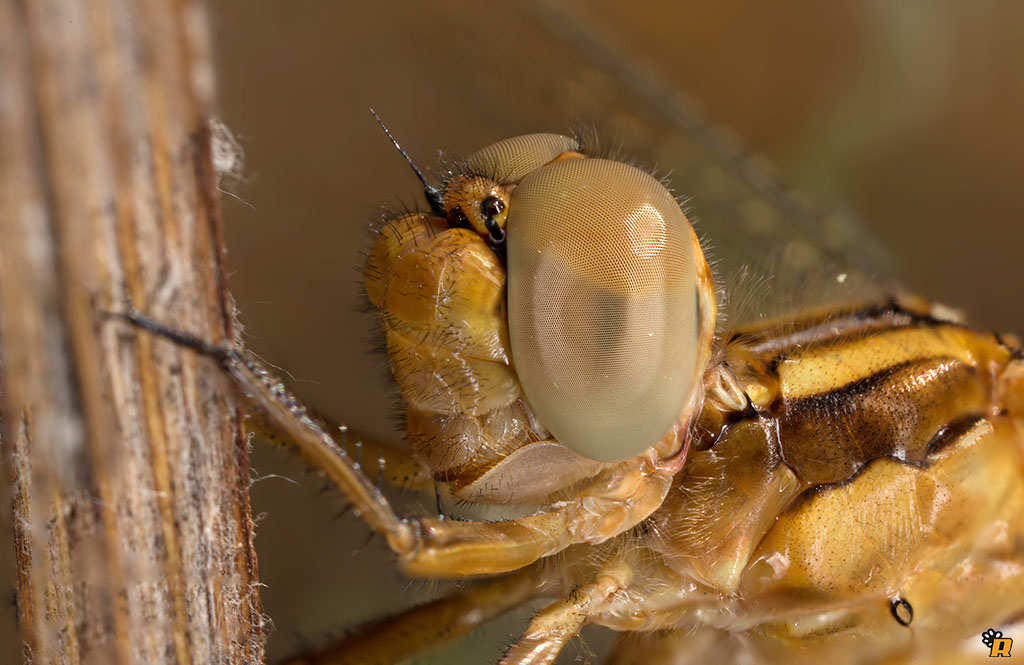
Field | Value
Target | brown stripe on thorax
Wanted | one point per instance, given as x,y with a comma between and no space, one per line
870,383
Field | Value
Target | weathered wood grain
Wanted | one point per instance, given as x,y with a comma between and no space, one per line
128,465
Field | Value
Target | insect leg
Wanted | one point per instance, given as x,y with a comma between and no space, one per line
400,637
398,467
553,627
690,645
285,414
614,501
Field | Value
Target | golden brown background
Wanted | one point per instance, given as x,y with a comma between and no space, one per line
907,113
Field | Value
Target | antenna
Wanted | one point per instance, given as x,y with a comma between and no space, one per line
432,193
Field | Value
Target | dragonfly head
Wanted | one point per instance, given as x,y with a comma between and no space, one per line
611,308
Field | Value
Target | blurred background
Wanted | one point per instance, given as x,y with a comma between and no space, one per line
895,126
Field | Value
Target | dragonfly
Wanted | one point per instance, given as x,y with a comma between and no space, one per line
788,490
720,193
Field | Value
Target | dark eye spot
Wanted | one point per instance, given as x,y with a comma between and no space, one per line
491,206
457,219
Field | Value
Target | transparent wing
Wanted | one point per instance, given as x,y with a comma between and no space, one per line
772,253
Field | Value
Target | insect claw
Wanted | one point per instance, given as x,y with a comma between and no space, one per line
221,354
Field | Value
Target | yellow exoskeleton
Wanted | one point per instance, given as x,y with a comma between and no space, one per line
844,485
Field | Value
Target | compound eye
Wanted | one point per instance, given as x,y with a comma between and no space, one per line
510,160
602,297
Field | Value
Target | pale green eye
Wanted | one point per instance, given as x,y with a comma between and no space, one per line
602,304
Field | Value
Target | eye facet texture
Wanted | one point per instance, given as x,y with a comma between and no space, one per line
602,304
510,160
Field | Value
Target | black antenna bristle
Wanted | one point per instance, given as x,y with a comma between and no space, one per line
433,194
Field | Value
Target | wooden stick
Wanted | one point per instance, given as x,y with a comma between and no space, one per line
129,469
